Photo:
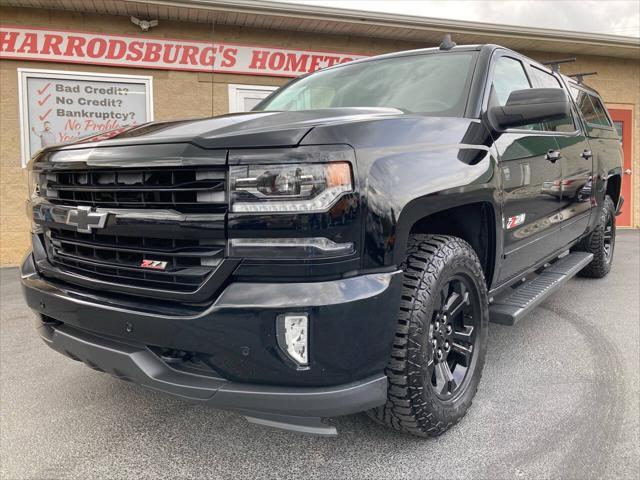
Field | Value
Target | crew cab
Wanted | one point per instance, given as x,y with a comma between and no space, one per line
340,248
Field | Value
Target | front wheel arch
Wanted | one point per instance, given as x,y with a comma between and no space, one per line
476,222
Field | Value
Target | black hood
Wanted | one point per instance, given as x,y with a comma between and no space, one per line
252,129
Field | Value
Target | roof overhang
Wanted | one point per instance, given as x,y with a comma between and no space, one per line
338,21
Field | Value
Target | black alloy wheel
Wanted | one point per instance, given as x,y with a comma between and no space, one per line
608,239
601,242
452,334
440,341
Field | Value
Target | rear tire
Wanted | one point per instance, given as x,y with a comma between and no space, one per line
601,242
440,342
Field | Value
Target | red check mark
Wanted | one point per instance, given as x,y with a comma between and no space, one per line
44,89
45,115
41,102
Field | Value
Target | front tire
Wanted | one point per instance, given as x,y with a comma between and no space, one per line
440,342
601,242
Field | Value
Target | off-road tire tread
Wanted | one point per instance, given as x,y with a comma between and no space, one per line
593,243
406,409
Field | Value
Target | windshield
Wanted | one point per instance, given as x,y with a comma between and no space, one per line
423,83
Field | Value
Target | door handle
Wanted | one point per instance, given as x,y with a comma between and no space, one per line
553,155
586,154
627,171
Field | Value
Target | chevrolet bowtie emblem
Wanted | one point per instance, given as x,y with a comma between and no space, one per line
84,219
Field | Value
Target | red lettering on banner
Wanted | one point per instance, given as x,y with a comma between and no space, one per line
135,51
74,47
296,63
116,49
8,41
152,52
51,45
96,47
141,51
166,58
258,60
29,44
229,57
331,60
208,56
189,53
315,62
276,61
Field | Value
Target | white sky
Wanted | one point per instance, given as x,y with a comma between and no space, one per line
616,17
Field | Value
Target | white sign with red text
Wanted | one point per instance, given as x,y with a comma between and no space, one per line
30,43
57,107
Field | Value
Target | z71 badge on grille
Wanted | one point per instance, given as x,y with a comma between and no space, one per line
155,264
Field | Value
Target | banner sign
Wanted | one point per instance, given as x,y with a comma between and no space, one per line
141,51
57,107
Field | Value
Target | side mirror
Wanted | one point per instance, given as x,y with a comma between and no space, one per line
530,106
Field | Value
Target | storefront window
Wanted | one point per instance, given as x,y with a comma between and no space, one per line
242,98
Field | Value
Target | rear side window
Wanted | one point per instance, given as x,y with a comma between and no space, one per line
591,108
600,110
544,79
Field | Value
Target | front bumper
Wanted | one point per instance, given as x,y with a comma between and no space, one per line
352,324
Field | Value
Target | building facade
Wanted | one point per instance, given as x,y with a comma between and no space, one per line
211,58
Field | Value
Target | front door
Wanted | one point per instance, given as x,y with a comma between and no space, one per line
622,120
529,212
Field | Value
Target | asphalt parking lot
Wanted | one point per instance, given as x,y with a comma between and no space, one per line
559,399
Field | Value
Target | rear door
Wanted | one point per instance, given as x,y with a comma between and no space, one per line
603,139
573,192
529,214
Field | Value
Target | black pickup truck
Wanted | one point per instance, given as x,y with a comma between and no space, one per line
340,248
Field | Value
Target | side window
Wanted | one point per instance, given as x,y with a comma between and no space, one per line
508,76
591,108
584,105
600,111
544,79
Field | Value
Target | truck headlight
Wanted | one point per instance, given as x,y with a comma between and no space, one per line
309,187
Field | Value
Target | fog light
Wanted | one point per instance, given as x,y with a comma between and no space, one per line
293,335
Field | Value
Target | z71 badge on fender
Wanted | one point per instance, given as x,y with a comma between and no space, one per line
155,264
513,222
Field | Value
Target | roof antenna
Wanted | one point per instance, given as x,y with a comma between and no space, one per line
447,43
580,76
555,64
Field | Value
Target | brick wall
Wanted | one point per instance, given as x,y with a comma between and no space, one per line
187,94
